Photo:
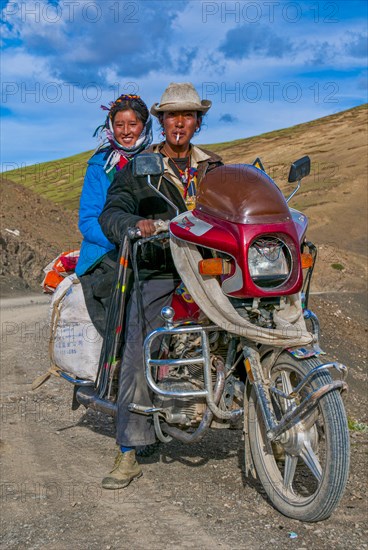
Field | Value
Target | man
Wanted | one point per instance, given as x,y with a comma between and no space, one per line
130,202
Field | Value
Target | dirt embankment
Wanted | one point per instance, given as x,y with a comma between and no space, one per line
33,232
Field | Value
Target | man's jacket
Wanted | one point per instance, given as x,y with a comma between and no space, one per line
129,199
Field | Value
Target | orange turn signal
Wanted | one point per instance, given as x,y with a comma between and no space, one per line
214,266
307,260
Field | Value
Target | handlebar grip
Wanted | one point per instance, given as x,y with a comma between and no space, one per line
134,233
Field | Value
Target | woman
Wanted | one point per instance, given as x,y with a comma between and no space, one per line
128,129
130,202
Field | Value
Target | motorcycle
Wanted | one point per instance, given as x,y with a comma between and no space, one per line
239,346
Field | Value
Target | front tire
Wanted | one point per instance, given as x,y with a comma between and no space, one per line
305,473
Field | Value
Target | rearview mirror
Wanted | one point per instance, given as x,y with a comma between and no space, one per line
148,164
299,169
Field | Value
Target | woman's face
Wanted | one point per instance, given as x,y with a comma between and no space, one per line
127,127
179,127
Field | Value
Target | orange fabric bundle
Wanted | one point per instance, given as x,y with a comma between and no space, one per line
58,269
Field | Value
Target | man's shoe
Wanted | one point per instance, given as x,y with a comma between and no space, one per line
125,469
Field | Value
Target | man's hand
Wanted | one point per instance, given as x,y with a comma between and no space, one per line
146,227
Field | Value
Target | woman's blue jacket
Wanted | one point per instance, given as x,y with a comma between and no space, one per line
96,183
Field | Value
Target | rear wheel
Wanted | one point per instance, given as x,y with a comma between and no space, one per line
305,472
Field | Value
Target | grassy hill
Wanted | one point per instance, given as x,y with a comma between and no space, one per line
60,181
336,145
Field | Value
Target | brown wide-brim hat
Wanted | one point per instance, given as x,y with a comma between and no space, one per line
180,96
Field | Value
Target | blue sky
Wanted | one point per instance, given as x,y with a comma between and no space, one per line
264,64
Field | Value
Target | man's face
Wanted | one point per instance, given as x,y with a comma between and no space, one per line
179,127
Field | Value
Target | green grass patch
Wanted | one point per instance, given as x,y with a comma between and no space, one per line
59,181
338,267
355,426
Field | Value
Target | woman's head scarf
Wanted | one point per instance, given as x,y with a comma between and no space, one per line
106,134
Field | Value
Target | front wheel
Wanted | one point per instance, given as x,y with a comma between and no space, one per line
305,472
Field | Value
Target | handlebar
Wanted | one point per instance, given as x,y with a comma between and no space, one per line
159,237
134,233
160,225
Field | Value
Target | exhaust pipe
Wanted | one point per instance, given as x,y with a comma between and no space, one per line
88,397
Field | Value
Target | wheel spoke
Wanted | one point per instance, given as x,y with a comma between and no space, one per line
287,388
309,422
286,384
310,459
289,471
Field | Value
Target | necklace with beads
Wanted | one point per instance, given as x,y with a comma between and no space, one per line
188,177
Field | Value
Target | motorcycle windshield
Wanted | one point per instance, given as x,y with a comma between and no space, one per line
241,193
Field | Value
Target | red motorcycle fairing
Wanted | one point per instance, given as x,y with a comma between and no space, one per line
301,223
236,205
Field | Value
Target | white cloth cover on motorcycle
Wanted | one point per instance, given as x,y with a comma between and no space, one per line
206,292
75,344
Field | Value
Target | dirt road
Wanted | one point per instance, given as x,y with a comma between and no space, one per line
53,460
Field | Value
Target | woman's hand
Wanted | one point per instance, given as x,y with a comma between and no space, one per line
146,227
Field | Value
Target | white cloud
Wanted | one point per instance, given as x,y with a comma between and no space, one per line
142,51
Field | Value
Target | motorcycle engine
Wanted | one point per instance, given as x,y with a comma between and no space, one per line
188,377
192,408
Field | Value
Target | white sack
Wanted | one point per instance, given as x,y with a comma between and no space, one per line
75,344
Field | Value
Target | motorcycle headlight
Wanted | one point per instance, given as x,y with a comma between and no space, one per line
269,262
